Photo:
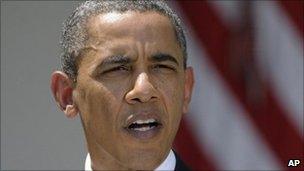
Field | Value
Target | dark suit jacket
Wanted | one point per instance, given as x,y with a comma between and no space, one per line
180,165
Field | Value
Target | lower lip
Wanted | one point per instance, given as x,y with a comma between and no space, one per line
144,135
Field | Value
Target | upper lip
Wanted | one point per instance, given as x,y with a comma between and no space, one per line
141,116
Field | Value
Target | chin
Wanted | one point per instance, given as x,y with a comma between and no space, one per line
144,159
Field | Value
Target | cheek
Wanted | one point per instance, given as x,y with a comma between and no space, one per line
172,94
117,88
97,105
176,104
172,98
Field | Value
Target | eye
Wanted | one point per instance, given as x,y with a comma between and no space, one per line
163,68
119,68
116,71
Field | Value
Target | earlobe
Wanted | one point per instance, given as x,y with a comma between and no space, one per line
189,82
61,86
71,111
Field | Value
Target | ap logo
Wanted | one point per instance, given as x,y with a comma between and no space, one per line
293,163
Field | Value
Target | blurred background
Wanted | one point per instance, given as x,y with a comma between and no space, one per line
247,107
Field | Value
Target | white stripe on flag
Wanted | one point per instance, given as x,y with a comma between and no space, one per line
279,50
229,11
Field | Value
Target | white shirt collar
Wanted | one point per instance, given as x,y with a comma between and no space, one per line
167,164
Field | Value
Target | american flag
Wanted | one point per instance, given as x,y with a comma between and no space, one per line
247,106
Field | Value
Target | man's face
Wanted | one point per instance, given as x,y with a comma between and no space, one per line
131,87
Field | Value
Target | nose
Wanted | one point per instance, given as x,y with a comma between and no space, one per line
143,91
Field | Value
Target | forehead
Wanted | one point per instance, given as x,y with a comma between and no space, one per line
142,26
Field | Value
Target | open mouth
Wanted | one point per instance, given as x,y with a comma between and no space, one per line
143,127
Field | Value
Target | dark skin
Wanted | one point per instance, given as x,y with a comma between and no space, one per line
132,65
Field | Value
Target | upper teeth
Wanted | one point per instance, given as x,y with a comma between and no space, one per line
144,121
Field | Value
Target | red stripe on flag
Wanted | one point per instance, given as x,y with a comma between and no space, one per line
295,10
191,152
270,118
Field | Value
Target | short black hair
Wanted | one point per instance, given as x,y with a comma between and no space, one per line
74,33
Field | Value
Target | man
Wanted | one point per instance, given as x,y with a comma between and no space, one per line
124,72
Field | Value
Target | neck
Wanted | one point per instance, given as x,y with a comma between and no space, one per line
168,164
102,160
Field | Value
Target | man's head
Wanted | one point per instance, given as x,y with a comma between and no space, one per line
125,72
74,33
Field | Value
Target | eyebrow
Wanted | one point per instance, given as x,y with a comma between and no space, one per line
117,59
160,57
120,59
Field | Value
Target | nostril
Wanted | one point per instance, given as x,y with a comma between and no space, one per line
153,97
137,99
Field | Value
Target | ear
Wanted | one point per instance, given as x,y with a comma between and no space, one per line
61,86
189,82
